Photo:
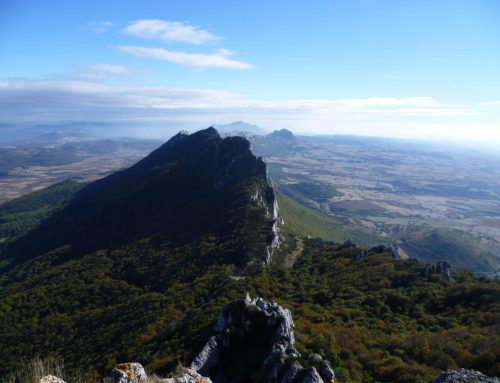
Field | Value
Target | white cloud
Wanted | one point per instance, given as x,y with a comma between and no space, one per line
173,31
221,59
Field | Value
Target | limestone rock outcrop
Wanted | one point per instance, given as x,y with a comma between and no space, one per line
268,201
128,373
464,376
188,375
51,379
253,340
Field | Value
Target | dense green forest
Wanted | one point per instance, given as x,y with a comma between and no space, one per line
121,270
377,320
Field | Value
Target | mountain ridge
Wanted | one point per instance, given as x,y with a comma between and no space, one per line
201,171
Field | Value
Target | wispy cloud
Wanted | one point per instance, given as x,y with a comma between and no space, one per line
173,31
102,70
392,77
106,68
491,103
95,72
100,26
220,59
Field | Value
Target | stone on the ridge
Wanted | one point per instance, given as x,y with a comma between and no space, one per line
51,379
128,373
188,376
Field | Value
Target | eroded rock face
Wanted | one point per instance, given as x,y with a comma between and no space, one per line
51,379
188,376
270,204
128,373
465,376
253,340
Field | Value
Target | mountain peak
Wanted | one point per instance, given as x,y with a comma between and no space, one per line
194,186
209,132
200,135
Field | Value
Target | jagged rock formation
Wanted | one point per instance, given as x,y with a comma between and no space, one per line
254,341
128,373
439,268
464,376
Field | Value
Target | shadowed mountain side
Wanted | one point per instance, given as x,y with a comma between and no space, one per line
193,186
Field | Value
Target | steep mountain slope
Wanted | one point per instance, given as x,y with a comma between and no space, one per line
192,187
137,266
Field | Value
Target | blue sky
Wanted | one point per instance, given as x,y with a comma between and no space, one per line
418,69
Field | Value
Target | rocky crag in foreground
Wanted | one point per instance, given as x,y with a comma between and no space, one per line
253,341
